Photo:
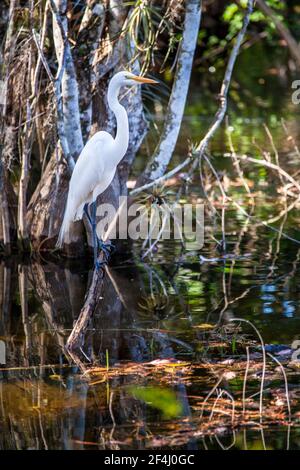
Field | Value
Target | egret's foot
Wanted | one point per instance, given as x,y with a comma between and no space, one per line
107,247
99,265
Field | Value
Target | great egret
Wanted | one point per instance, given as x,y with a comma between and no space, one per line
97,163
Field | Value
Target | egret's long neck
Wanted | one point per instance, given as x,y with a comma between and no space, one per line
122,135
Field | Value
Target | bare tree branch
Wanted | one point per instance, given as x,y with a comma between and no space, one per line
76,338
163,178
226,82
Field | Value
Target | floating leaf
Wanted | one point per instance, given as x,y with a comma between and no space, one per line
204,326
164,400
55,377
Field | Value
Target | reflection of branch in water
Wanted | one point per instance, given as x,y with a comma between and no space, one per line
220,394
119,307
60,293
291,274
227,447
263,438
264,361
285,384
161,338
23,289
5,297
277,251
236,162
245,380
76,338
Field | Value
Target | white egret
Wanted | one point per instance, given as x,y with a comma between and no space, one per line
97,163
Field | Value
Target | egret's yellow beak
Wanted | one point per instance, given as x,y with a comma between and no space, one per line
144,80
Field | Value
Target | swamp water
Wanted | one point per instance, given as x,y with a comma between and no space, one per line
156,354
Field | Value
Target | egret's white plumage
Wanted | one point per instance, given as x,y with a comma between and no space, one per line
97,163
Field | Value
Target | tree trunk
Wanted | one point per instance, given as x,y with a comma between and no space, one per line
46,208
7,196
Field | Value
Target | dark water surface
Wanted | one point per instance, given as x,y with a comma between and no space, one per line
154,314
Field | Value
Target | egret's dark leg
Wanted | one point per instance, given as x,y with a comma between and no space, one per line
86,211
92,221
107,247
95,238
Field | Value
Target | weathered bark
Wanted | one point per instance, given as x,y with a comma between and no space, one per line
166,145
10,42
45,210
90,35
69,85
23,234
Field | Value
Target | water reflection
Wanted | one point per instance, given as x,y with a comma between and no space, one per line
53,406
147,313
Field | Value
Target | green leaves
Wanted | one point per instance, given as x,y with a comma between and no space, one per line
230,11
234,13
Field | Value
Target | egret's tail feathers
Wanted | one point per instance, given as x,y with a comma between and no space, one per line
62,233
79,212
65,228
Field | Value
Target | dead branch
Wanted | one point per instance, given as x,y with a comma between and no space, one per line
272,166
226,84
163,178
